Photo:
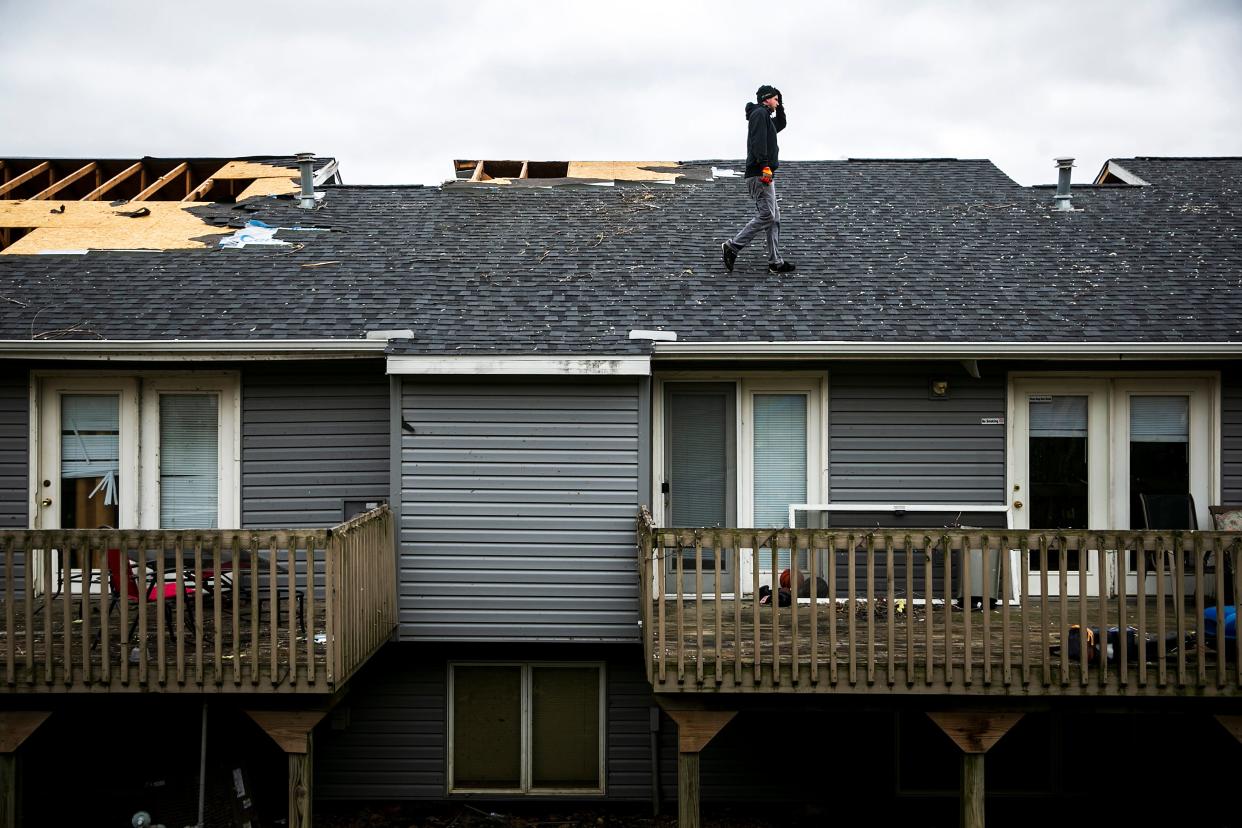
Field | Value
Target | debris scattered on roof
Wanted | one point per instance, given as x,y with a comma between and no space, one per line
254,233
157,190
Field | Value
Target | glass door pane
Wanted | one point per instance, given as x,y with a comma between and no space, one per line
1058,492
90,452
701,474
780,464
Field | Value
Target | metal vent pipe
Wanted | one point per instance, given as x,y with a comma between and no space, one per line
306,161
1062,200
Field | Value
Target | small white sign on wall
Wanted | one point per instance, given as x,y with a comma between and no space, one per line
992,421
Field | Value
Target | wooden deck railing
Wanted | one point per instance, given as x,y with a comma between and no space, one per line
228,610
893,619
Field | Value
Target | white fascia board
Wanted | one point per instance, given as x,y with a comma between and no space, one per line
945,350
564,365
198,350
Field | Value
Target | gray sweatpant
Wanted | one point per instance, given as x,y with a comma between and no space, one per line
767,219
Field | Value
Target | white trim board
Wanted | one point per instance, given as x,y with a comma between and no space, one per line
542,365
945,350
197,350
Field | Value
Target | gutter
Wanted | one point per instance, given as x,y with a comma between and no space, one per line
196,350
943,350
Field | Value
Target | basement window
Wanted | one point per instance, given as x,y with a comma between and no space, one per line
531,728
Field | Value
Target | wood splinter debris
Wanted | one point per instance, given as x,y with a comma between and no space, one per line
320,264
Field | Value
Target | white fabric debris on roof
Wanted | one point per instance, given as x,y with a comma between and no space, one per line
725,172
255,232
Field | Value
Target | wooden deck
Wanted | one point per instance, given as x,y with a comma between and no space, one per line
894,627
276,611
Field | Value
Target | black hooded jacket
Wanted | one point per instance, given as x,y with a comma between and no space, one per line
761,147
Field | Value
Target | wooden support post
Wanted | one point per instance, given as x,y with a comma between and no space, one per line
974,733
15,727
293,731
695,728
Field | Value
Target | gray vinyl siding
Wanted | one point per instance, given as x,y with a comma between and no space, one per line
14,447
890,442
395,745
1231,437
518,502
313,437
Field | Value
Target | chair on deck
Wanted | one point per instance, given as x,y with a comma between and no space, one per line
236,578
1227,518
150,592
1167,511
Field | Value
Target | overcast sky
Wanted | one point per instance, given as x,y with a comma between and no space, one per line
396,91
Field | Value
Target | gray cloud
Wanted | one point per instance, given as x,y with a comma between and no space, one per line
396,91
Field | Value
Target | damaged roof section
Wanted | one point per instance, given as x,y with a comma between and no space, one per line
75,204
552,173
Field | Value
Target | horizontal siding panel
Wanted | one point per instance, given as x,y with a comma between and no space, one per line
313,436
889,442
517,498
485,415
523,469
14,446
536,510
562,456
506,487
528,431
1231,437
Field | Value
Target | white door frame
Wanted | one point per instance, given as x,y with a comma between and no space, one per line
1097,392
1115,390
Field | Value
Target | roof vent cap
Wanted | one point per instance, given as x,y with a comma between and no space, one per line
306,162
1062,200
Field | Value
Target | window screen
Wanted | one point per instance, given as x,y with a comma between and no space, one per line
487,727
565,727
699,447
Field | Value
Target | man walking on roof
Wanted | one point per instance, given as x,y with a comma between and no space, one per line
765,119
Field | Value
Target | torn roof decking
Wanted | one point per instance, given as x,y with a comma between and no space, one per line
71,204
512,171
887,251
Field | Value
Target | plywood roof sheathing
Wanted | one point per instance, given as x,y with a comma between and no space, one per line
96,225
622,170
477,175
66,181
98,192
19,180
160,182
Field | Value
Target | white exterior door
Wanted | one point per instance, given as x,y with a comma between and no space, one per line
1059,452
1084,452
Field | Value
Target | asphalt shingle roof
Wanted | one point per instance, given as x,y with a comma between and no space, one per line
937,250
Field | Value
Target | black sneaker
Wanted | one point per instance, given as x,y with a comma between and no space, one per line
730,256
783,267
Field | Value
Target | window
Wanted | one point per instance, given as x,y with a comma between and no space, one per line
526,728
149,450
737,451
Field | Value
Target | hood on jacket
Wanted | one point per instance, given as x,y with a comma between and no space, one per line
751,106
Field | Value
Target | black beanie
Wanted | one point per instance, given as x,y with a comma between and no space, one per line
764,92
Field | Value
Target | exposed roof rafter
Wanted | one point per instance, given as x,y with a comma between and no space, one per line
66,181
19,180
98,192
161,182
